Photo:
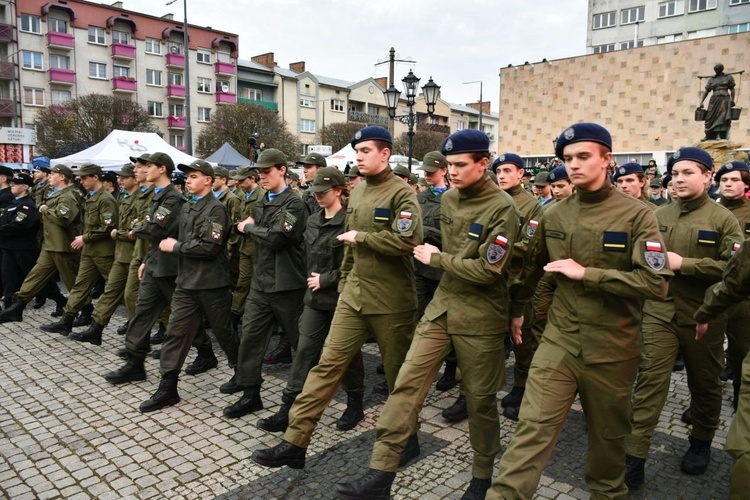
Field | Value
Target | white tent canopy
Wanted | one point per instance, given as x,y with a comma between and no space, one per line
116,149
339,159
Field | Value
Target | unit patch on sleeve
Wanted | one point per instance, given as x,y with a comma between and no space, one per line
107,216
404,221
162,213
216,230
735,247
289,220
497,249
531,228
654,256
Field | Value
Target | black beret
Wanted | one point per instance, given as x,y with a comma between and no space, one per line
627,169
732,166
372,133
691,153
466,141
583,132
557,174
507,158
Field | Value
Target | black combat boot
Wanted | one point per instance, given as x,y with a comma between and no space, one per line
60,301
248,403
697,457
92,335
236,318
354,412
123,329
39,301
14,312
511,412
448,380
280,421
411,450
64,326
679,363
513,398
635,472
375,485
687,416
457,411
165,395
158,337
282,454
230,386
132,371
205,361
477,489
84,319
381,388
282,353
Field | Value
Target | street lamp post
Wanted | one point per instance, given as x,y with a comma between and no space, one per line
411,84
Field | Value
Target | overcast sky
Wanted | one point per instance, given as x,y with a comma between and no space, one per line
452,41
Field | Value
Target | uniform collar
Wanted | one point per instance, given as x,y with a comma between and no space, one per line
733,203
687,206
516,190
476,188
595,196
381,177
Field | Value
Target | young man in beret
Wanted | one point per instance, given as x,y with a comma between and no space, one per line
700,236
41,184
468,315
606,254
96,245
630,179
559,184
378,296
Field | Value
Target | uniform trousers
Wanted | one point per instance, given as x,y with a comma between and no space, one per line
349,330
524,351
264,313
314,325
154,295
556,376
234,269
15,266
188,309
704,361
91,269
114,291
480,358
738,439
244,280
66,264
130,295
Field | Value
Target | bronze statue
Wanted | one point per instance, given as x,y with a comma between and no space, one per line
718,118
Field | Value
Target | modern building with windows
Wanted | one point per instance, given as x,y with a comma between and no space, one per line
71,48
626,24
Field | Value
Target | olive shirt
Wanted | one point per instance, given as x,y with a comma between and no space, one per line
429,202
162,221
99,219
39,192
531,211
740,208
703,233
324,255
479,229
732,289
127,209
250,200
62,219
609,233
143,205
377,274
234,207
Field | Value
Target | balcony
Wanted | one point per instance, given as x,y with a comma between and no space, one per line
360,117
431,127
226,98
6,33
175,60
60,40
266,104
176,122
6,108
224,68
176,91
6,70
62,76
121,84
123,51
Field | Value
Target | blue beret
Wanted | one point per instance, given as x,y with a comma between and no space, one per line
583,132
557,174
627,169
466,141
507,158
691,153
732,166
372,133
666,180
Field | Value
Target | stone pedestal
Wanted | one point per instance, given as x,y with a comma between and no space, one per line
723,151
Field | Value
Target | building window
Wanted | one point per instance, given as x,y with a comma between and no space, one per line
607,47
739,28
31,60
204,114
177,141
338,105
671,8
155,109
174,79
203,56
59,62
153,46
31,24
634,15
254,94
33,96
123,71
307,126
605,20
204,85
153,77
96,35
120,37
176,110
631,45
175,47
57,25
307,101
222,86
97,70
738,2
701,5
60,96
460,125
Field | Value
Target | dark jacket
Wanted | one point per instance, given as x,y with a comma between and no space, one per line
19,224
429,202
324,256
163,221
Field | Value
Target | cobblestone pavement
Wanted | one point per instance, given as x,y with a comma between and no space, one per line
66,433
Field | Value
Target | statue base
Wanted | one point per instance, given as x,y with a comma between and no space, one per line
723,151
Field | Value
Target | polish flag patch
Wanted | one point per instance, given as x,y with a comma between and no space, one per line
501,240
404,215
735,248
653,246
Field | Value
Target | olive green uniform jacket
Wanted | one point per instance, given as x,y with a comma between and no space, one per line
162,221
99,219
324,254
733,288
62,219
429,202
251,199
128,214
234,208
531,211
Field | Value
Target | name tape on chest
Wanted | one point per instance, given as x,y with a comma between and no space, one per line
497,249
654,256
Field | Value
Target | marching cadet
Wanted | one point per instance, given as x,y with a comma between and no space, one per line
468,314
247,182
278,285
62,217
354,177
234,207
105,307
733,290
630,179
378,296
202,286
41,184
606,254
311,164
700,236
324,254
19,225
559,184
96,245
